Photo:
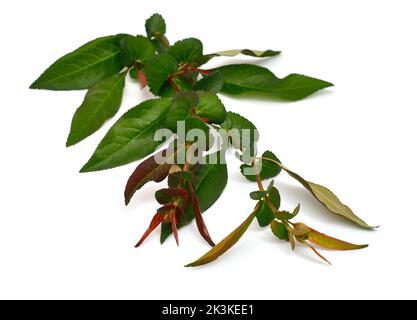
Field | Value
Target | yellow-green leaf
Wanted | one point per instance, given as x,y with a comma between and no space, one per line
225,244
328,242
327,198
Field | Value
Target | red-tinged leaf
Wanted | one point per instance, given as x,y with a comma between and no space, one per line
174,228
328,242
165,196
314,250
156,221
199,217
225,244
148,170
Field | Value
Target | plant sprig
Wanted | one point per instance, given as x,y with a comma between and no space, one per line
189,118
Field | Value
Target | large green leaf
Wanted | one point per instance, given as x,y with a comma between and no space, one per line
268,169
187,51
83,67
212,179
157,70
100,104
247,78
131,137
232,53
223,246
137,48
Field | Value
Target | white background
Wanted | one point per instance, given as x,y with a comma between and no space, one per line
69,235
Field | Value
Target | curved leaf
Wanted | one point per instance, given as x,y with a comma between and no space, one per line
326,198
247,78
232,53
155,26
100,104
83,67
264,213
212,179
235,125
131,137
223,246
133,49
187,51
210,107
148,170
268,169
327,242
279,230
157,70
213,83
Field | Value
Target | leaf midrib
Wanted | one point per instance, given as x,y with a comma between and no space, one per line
82,69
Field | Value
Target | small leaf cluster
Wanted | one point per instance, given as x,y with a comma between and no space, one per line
185,92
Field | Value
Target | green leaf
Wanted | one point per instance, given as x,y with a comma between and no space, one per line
327,198
285,215
167,91
235,126
212,179
210,107
157,69
100,104
187,51
83,67
246,78
205,105
212,83
257,195
182,105
155,26
279,230
131,137
137,48
232,53
264,213
223,246
268,169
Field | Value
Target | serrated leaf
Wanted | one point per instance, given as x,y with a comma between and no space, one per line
286,215
206,106
182,105
100,104
236,125
148,170
246,78
264,213
155,26
167,91
233,53
279,230
133,49
210,107
187,51
212,179
223,246
211,83
157,70
268,169
327,198
83,67
131,137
